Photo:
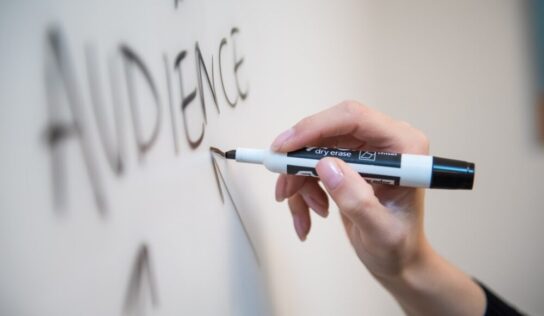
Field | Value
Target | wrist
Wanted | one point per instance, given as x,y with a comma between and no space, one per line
414,271
429,285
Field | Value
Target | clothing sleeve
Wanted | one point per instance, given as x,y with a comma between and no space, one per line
496,306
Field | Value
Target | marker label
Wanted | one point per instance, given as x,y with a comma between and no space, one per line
374,158
371,178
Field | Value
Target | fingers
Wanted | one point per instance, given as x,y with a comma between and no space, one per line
302,192
287,185
315,197
344,119
353,195
365,125
309,189
280,188
345,141
301,216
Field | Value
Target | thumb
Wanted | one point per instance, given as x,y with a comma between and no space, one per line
353,195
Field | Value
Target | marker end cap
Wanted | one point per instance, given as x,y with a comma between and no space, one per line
452,174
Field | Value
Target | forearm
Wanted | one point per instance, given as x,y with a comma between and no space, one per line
432,286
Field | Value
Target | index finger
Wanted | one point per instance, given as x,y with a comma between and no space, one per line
346,118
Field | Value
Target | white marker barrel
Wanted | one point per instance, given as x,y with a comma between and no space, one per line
376,167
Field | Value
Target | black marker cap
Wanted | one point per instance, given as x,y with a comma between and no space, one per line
452,174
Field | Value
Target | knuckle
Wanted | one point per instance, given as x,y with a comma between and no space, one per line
304,123
367,202
405,124
350,207
422,142
353,108
417,142
358,204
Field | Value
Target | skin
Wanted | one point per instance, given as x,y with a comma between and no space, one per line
383,223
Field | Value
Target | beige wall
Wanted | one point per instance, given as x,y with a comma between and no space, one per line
459,71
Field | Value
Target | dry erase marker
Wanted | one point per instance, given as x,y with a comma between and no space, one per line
405,170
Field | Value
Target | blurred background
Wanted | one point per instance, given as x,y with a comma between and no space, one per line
464,72
470,74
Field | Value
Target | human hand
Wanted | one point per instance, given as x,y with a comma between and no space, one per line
384,223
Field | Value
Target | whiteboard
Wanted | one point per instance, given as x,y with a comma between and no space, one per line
112,204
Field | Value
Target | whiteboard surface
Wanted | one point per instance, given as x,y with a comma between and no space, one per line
161,241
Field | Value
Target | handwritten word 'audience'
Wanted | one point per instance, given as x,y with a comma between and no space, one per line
131,79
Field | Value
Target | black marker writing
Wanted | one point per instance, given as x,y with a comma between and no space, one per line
67,118
60,83
113,153
171,105
211,83
220,179
133,62
221,46
237,64
185,102
141,270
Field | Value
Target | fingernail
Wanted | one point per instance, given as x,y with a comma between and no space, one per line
280,189
315,205
280,196
331,175
282,138
299,227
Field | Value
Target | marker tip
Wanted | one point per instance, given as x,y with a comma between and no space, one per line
231,154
